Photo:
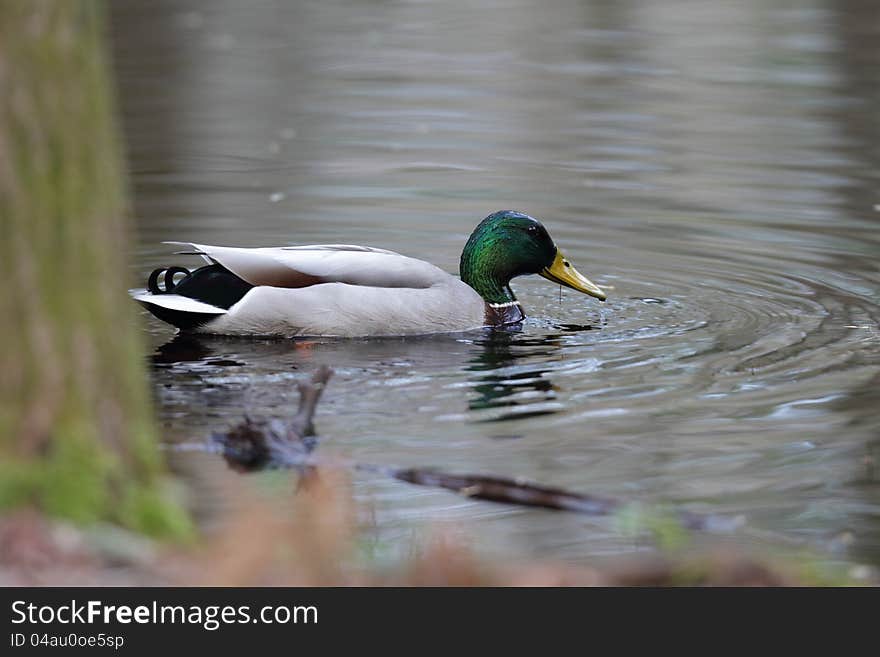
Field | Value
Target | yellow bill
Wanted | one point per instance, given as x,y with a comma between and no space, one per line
564,273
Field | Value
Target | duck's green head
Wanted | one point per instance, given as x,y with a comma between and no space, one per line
507,244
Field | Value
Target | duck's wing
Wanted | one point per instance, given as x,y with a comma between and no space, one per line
304,266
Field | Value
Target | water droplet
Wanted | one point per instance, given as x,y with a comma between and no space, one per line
277,196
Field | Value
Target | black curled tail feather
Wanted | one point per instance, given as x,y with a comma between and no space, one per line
211,284
168,279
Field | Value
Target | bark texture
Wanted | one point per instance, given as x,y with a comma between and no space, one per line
77,436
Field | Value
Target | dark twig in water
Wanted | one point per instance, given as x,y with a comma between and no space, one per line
265,444
516,491
510,491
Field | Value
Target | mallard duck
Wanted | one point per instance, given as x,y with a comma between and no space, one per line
355,291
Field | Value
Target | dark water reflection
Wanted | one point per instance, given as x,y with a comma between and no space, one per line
506,383
717,164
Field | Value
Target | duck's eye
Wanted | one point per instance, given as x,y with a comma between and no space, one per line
532,229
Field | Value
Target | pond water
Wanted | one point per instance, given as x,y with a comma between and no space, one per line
717,165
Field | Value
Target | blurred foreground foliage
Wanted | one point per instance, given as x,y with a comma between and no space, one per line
321,537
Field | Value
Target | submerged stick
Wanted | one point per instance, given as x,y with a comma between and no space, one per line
309,395
268,444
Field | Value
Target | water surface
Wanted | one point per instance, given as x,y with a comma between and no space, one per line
717,166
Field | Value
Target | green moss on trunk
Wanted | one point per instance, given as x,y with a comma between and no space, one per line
76,427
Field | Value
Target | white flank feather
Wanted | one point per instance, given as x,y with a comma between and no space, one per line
176,302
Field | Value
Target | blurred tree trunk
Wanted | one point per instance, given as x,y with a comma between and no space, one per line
76,431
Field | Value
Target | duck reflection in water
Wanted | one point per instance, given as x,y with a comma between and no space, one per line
512,381
509,372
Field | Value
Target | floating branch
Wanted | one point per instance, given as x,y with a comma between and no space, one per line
510,491
523,493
